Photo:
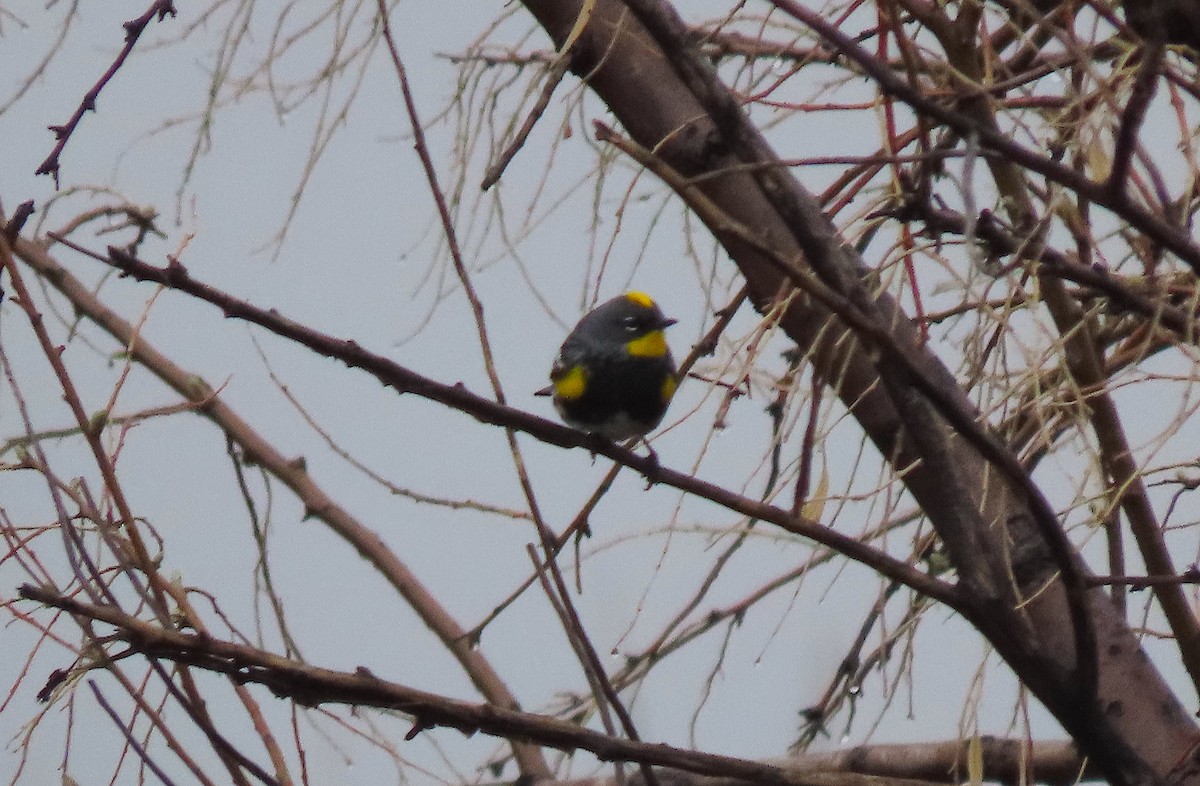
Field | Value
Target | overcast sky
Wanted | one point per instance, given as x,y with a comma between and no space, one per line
361,258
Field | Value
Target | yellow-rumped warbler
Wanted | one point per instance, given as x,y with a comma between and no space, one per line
614,375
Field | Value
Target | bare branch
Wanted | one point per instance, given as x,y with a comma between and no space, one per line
133,31
311,685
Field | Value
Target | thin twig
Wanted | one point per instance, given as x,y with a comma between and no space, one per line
1140,95
133,30
1189,576
530,759
141,752
554,75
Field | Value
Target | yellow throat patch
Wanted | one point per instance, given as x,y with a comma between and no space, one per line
651,345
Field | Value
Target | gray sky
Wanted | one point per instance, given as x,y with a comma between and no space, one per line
362,260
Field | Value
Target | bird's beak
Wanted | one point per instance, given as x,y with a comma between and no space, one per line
666,323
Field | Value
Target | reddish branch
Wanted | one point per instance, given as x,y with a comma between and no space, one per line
1147,220
134,28
1001,240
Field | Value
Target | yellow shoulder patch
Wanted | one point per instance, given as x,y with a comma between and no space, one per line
640,298
571,384
668,388
651,345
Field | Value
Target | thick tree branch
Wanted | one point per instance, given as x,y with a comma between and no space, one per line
311,685
1006,761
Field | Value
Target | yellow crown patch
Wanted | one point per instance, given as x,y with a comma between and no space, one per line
640,298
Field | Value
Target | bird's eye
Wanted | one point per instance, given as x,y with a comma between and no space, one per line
630,324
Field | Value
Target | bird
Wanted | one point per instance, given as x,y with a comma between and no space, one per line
614,374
